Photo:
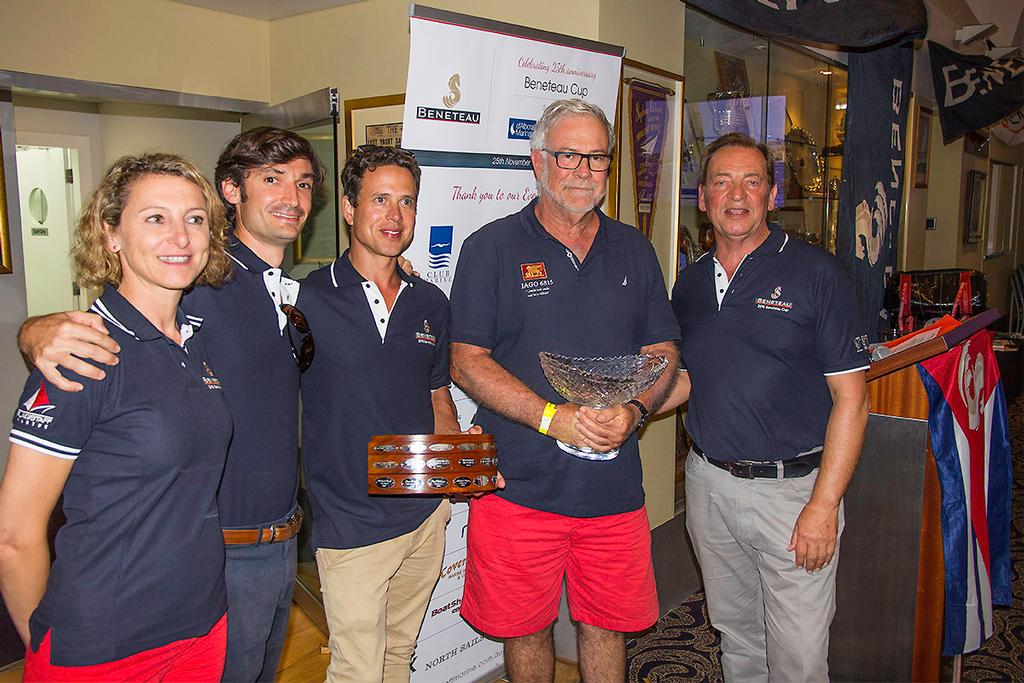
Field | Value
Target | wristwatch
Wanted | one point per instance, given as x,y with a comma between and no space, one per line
644,413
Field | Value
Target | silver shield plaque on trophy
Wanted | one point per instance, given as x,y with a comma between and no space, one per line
600,383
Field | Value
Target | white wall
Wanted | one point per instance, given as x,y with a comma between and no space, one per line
131,129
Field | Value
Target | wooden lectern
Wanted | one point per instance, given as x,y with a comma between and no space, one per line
890,583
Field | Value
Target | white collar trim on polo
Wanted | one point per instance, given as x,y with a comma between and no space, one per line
381,314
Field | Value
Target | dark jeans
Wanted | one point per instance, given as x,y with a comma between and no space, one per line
259,581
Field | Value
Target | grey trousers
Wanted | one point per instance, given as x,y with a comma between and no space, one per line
774,618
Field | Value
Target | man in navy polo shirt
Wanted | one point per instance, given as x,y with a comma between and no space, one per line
559,276
378,557
266,177
773,358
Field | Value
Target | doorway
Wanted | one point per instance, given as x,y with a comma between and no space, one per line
49,190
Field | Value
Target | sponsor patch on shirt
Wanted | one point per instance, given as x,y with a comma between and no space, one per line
774,302
535,279
533,271
33,412
425,337
209,379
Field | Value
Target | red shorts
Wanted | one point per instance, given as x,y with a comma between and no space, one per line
190,660
516,558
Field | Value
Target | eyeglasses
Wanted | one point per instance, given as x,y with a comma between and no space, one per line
570,161
306,350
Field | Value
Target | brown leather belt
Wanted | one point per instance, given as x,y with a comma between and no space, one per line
267,534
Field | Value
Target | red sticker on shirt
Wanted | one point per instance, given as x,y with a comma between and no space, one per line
533,271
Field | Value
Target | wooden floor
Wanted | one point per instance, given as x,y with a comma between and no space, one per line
301,659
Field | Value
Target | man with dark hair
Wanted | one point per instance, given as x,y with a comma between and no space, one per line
259,343
378,557
773,360
560,276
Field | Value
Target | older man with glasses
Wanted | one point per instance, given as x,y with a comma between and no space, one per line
562,277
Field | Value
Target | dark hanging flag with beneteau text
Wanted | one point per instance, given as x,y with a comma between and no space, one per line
845,23
869,198
974,91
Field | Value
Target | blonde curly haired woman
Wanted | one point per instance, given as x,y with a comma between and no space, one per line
136,591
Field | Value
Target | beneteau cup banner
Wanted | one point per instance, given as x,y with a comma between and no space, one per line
475,89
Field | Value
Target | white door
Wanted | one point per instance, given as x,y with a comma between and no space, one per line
47,222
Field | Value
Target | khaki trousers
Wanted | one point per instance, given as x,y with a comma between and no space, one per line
774,618
375,598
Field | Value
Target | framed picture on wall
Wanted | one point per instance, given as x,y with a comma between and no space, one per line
374,121
732,73
972,206
644,180
6,265
922,142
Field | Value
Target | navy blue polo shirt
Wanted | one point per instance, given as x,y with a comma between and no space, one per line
519,291
359,386
758,363
140,562
253,357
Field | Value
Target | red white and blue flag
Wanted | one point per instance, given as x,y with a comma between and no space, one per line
969,435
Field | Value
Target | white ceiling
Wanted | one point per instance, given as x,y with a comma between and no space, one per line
267,9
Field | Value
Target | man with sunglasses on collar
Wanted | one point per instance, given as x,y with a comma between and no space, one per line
378,556
258,342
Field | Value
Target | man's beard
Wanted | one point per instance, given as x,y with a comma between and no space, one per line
544,188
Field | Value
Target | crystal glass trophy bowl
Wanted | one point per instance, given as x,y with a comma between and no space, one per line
600,383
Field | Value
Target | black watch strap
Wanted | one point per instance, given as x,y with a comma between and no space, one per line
644,413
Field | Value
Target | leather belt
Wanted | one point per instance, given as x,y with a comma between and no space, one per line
267,534
799,466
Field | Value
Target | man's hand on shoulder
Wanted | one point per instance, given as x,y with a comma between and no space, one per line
814,536
407,267
65,340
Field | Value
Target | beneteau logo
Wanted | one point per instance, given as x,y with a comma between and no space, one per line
450,100
454,94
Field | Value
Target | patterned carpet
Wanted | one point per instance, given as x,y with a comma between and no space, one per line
683,646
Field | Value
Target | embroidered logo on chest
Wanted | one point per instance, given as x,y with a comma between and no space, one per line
425,337
774,301
535,279
209,379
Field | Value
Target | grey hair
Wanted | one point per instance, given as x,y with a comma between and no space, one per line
558,110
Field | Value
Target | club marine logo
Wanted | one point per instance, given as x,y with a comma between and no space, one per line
520,129
440,247
448,114
33,412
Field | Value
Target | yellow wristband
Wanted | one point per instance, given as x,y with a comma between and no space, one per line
545,420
